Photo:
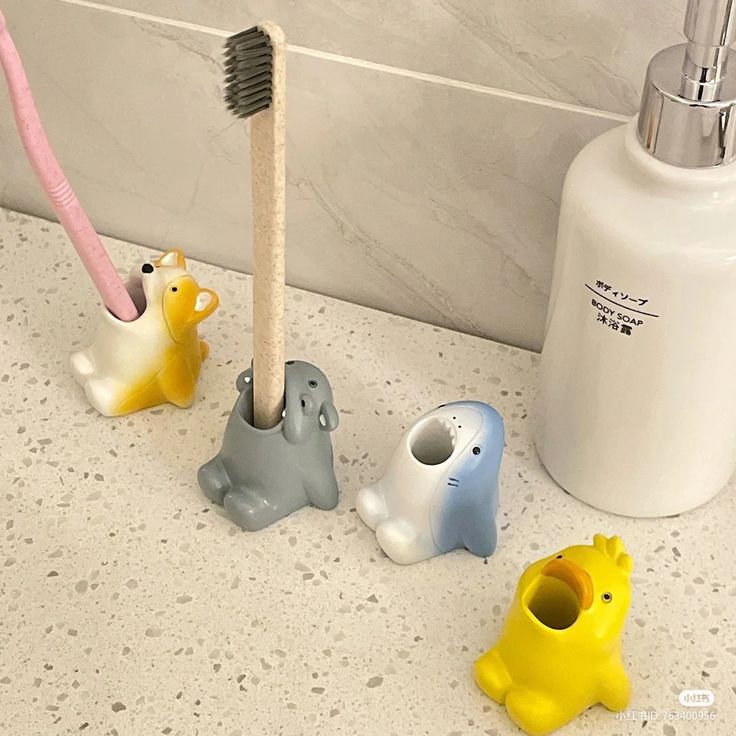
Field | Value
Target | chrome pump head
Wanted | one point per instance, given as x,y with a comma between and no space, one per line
688,108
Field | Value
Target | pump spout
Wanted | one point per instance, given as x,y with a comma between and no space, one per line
688,107
710,27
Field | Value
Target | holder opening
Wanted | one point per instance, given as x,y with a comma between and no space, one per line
433,442
554,604
244,409
134,287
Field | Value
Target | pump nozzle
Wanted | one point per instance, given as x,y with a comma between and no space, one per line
688,108
710,28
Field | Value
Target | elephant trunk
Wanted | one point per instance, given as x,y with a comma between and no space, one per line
299,407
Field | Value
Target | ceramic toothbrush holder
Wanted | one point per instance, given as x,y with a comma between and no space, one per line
440,491
560,648
157,357
263,475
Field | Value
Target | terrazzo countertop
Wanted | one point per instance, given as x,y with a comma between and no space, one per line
130,605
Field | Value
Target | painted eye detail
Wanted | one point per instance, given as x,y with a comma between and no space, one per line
476,450
174,288
559,557
312,383
606,597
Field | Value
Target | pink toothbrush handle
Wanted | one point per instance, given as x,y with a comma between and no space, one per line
59,191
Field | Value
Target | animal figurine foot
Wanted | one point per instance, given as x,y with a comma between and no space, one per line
214,481
401,542
560,648
262,475
440,491
534,712
157,357
492,676
371,506
251,510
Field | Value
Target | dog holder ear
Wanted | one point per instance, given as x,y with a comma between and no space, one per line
171,258
157,357
559,652
440,490
262,475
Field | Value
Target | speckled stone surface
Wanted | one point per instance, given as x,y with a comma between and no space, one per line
131,605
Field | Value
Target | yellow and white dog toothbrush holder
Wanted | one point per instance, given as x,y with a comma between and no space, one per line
157,357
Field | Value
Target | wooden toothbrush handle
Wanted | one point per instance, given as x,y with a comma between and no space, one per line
268,183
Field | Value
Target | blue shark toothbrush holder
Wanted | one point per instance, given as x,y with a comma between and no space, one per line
440,490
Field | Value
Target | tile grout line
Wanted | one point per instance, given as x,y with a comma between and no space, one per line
362,63
456,83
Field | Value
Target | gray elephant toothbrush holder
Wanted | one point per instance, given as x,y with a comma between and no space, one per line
263,475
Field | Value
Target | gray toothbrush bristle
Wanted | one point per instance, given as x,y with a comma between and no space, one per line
248,72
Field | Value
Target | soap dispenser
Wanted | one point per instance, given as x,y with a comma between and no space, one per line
637,404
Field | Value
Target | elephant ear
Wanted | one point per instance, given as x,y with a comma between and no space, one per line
242,381
329,419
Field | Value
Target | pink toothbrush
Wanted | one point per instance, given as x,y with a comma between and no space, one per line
59,191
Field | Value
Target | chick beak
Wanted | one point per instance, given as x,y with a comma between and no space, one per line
574,576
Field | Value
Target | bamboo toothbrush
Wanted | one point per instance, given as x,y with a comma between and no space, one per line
60,193
255,86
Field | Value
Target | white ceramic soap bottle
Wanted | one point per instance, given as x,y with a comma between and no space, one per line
637,407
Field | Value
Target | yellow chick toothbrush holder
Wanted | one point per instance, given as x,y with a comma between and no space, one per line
155,358
559,651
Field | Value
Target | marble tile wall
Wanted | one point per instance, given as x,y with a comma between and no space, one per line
428,139
589,52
